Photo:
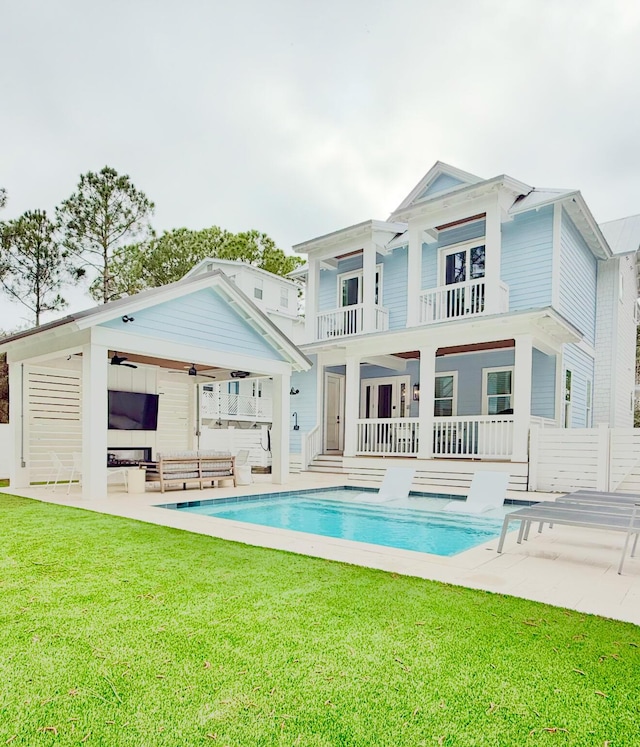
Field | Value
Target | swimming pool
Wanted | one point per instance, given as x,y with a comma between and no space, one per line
413,524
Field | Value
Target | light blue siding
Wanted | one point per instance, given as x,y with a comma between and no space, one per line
327,290
469,367
543,385
203,319
578,274
527,259
394,287
305,404
581,366
457,235
441,183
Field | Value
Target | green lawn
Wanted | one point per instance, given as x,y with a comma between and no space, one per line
114,632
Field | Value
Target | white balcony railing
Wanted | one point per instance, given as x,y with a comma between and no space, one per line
311,446
388,436
461,300
479,437
482,436
348,320
235,406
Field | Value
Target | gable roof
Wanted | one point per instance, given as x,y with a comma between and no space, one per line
235,264
154,297
433,182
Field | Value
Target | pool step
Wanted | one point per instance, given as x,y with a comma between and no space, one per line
326,463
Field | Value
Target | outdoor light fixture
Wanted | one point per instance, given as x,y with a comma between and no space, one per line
126,318
416,392
294,391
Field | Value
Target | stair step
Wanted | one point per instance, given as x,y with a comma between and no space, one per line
322,468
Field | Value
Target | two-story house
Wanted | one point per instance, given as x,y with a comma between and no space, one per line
479,307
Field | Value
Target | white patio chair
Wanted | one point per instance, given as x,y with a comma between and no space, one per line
396,485
243,468
488,491
242,457
60,469
76,470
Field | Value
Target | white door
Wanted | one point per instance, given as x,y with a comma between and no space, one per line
334,412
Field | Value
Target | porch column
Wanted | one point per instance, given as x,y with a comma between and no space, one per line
351,405
311,299
425,409
493,251
280,429
414,277
94,421
522,397
369,287
19,474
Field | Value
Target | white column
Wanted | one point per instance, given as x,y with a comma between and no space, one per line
311,299
522,397
280,430
94,421
19,475
425,409
414,277
493,252
369,287
351,405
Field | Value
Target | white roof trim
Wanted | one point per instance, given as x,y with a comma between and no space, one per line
195,270
438,169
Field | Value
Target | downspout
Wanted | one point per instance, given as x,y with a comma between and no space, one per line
22,462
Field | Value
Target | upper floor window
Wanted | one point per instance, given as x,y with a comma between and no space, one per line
350,287
233,387
284,298
463,263
257,289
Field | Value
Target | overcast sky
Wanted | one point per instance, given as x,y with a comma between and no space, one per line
298,118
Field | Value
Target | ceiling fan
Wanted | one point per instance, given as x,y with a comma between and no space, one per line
240,374
193,371
118,360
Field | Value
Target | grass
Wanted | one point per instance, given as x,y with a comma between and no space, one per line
114,632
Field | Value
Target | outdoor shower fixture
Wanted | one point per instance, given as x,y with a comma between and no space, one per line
293,391
294,415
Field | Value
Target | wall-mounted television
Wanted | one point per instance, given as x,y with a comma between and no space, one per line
133,411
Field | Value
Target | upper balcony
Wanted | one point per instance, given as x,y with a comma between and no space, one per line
462,300
348,320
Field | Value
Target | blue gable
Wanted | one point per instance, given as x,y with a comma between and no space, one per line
441,183
203,319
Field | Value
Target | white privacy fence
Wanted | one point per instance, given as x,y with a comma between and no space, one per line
567,459
6,451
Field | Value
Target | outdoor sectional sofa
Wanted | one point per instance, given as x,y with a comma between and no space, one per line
201,468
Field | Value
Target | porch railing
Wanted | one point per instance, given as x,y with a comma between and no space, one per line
380,436
479,437
311,446
235,406
348,320
482,436
460,300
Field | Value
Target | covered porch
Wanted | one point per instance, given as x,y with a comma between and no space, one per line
469,394
153,350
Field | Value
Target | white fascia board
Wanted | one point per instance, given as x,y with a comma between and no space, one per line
136,344
56,343
439,168
238,265
325,246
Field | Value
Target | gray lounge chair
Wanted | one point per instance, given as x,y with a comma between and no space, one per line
616,518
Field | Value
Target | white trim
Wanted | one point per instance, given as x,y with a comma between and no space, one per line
438,169
352,274
395,381
341,411
465,246
556,248
495,369
454,403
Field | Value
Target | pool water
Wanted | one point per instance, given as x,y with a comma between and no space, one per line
411,524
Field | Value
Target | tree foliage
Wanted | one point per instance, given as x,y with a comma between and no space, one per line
35,263
169,257
104,214
3,197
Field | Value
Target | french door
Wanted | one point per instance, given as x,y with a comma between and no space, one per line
385,398
461,265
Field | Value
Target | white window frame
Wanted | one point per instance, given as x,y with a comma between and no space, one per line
395,402
359,274
485,387
284,297
466,246
454,403
258,288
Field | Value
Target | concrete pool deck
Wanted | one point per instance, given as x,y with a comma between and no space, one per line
567,566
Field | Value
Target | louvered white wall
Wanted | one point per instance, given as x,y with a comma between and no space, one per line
175,430
53,418
6,450
566,459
